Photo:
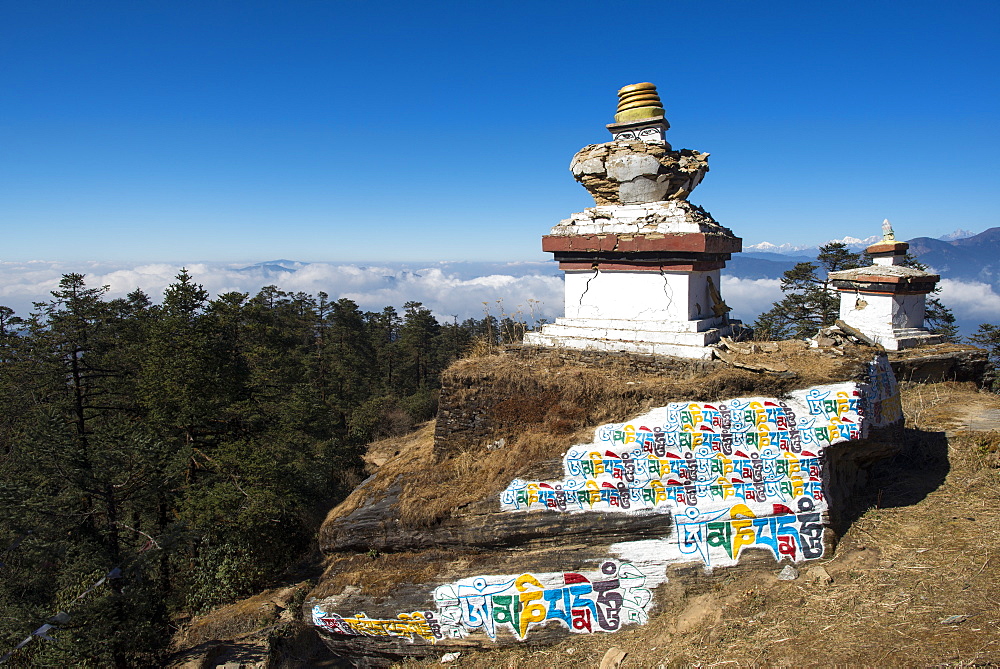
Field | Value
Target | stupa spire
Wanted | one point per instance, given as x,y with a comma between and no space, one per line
638,102
887,234
640,116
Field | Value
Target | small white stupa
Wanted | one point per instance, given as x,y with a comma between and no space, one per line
642,267
885,301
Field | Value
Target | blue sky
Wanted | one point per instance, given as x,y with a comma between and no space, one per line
351,131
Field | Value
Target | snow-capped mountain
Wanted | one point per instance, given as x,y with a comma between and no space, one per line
768,247
853,243
958,234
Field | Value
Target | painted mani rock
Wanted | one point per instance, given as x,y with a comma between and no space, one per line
742,473
732,475
582,603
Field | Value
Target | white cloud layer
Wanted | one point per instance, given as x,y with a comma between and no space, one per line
971,300
749,297
446,289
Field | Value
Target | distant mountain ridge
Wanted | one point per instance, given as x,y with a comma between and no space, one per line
853,243
958,255
958,234
975,258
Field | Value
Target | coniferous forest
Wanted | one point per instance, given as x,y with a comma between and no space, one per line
159,458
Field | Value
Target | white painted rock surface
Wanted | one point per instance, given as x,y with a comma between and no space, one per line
726,478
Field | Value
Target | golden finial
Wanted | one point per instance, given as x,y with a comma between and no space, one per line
638,101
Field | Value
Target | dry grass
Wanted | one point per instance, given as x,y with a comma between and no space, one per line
244,617
897,574
608,391
942,406
449,483
544,404
811,365
409,452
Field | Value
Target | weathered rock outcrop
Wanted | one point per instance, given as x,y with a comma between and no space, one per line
942,362
509,525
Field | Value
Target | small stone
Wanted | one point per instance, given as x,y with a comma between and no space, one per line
819,575
613,658
789,573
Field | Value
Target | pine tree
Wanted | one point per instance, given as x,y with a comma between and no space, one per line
81,476
190,373
419,342
383,333
810,302
988,336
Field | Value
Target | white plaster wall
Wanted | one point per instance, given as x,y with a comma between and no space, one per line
651,135
908,312
873,313
654,296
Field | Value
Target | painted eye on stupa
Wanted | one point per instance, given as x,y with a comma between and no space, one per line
625,136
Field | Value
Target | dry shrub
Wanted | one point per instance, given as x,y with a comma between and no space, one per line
987,443
480,347
977,451
433,492
244,617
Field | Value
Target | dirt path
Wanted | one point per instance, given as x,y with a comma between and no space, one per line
980,418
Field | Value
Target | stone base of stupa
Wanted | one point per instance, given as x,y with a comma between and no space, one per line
661,311
897,340
892,318
681,339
